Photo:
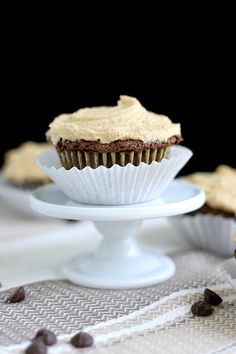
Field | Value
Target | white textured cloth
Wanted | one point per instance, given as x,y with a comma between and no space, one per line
146,321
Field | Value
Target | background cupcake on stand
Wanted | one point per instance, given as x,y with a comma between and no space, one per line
213,226
114,155
20,175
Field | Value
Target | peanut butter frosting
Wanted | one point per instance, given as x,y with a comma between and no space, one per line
219,186
128,120
20,167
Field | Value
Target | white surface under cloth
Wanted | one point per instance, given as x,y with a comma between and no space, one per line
35,249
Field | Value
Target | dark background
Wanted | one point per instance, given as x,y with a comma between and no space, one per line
191,80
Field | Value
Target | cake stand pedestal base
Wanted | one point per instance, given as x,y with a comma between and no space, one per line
119,261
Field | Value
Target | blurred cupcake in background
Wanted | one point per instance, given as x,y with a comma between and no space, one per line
234,239
19,168
230,267
20,175
212,227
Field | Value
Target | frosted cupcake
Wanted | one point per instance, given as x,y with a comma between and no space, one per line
220,189
20,175
212,227
20,169
235,244
126,133
114,155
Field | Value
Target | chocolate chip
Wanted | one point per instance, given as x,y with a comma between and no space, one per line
46,336
17,296
212,298
82,340
202,308
37,347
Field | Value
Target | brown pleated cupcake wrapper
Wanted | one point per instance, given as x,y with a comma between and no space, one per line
82,159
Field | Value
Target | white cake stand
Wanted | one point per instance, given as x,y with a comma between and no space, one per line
119,262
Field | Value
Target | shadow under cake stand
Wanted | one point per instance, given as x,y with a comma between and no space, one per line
119,261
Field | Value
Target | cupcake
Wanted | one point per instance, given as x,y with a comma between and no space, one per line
234,239
20,175
114,155
126,133
230,267
19,168
220,189
212,226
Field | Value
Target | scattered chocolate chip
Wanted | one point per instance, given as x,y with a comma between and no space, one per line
17,296
46,336
82,340
202,308
37,347
212,298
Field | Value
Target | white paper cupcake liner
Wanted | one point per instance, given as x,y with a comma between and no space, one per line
230,268
17,198
212,233
116,185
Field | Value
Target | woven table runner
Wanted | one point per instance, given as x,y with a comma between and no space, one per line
156,319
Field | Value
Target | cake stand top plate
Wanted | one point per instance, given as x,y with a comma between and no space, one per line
180,197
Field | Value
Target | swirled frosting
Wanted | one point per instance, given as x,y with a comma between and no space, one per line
128,120
219,186
20,167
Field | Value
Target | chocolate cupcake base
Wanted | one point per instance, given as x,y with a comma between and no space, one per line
27,186
207,209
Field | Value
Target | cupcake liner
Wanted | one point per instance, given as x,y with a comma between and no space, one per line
115,185
81,159
230,268
17,198
208,232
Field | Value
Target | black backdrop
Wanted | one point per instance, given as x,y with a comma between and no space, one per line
204,112
193,87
